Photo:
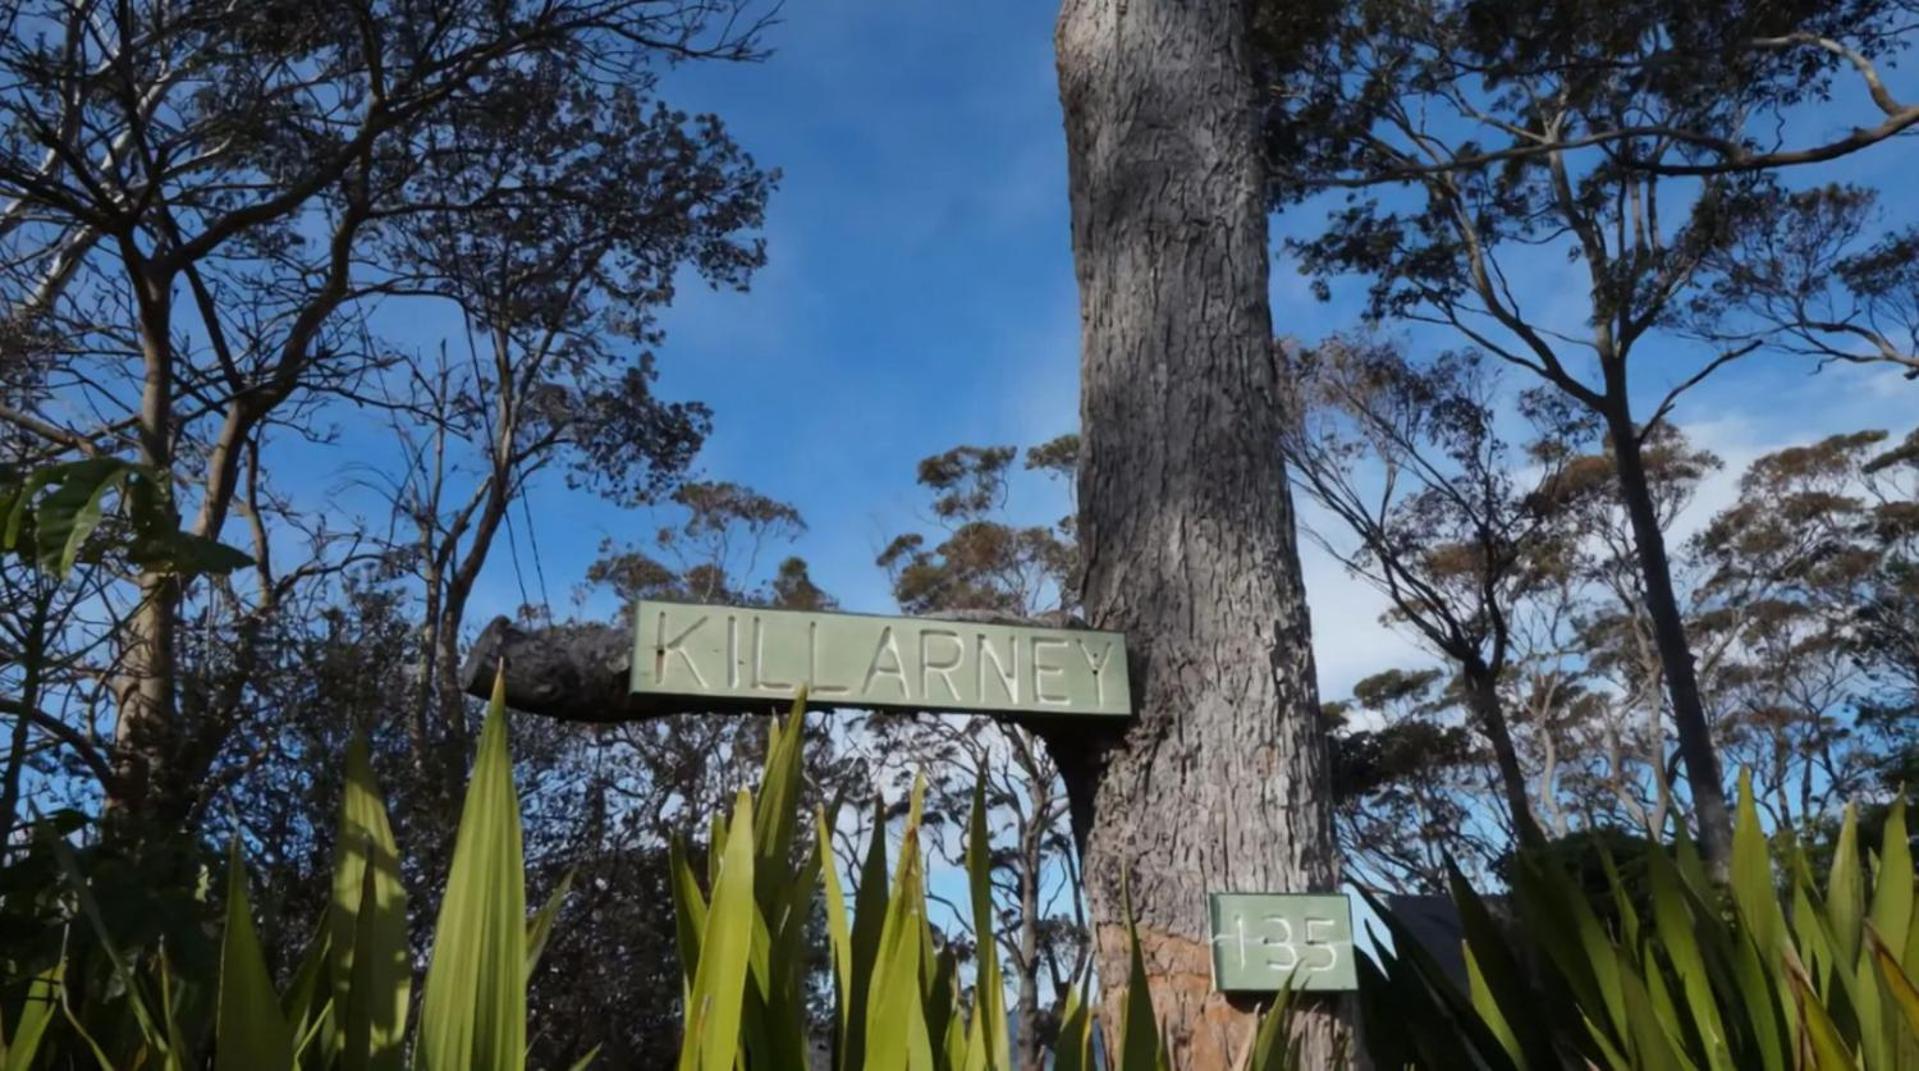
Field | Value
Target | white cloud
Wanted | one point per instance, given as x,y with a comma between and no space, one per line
1350,642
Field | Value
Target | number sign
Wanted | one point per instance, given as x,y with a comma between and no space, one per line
1265,942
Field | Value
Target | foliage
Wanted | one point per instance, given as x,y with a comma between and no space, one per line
1409,461
1481,139
1408,784
298,191
1648,967
984,564
618,795
713,555
900,998
347,1003
212,224
51,516
1773,970
1797,594
1815,538
1661,86
1822,278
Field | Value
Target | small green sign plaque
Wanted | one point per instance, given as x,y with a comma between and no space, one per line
1262,942
736,656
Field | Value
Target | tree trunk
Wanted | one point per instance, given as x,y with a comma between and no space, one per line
1032,1051
33,658
1675,653
575,672
429,685
1220,784
1482,691
459,588
1549,763
451,707
144,735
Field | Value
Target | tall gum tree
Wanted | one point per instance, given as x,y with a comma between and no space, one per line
1644,139
1220,783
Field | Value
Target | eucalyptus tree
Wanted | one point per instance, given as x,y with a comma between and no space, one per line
981,561
1664,87
1634,725
1799,566
1824,277
1185,521
194,201
1889,620
1427,504
1641,140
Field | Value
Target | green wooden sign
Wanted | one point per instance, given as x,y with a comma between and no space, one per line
1262,942
733,656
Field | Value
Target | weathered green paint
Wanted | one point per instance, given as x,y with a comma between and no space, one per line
733,656
1263,940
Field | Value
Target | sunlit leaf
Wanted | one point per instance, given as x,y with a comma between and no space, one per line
251,1033
473,1012
371,970
718,992
36,1013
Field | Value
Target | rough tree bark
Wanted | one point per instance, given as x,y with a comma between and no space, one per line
1186,526
570,672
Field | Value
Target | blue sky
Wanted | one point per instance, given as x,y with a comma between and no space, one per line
919,294
919,291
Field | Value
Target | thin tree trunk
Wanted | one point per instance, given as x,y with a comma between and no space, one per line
432,558
33,662
1220,783
1032,1053
1696,749
144,690
452,706
426,705
1549,759
1482,691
